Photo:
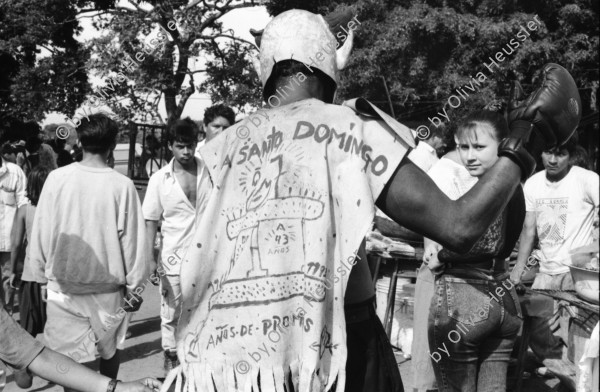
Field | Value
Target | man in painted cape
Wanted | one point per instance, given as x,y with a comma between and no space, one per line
267,277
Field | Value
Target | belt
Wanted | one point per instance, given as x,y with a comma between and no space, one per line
480,264
474,273
488,265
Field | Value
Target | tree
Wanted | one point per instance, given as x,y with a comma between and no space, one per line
411,57
40,61
275,7
145,51
423,51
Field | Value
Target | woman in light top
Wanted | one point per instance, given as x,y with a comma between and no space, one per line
475,315
450,175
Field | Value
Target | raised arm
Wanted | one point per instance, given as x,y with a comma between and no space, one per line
549,116
413,200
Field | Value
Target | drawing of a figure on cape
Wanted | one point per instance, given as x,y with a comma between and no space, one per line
269,228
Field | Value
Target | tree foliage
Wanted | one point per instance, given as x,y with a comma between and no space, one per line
275,7
420,51
425,50
194,30
40,61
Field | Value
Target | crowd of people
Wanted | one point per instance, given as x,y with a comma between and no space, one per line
263,235
75,303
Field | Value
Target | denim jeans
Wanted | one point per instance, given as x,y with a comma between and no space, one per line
473,324
423,375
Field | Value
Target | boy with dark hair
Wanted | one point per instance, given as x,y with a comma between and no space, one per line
39,153
175,193
98,135
216,119
63,157
562,201
9,152
184,130
89,233
562,204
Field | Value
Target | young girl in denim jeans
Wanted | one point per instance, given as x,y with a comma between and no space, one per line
475,315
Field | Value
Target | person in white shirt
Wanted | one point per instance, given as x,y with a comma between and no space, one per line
216,119
425,154
88,241
561,203
12,196
176,193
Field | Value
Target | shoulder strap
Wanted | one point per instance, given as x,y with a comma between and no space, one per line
366,108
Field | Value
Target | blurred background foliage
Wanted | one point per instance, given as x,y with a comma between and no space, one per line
409,55
30,86
421,51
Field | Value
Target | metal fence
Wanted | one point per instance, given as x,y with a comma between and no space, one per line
148,150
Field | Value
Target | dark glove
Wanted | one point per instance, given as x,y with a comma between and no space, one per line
554,108
548,117
513,148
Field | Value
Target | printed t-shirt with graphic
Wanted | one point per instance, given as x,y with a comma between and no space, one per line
292,200
564,215
165,198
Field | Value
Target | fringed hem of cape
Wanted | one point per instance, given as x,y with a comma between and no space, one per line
236,377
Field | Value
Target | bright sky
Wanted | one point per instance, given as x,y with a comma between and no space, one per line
240,21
